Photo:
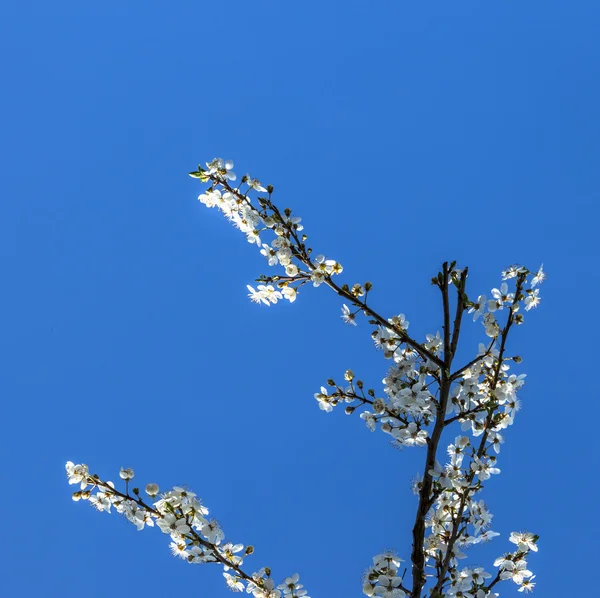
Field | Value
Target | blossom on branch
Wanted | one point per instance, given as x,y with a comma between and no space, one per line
423,395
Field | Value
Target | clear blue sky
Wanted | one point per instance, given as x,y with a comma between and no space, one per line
404,133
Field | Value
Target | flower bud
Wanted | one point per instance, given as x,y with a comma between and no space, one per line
368,589
350,410
349,375
76,496
249,549
126,474
152,490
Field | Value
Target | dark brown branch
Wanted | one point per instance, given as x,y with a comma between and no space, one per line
471,363
479,409
471,476
94,480
303,256
417,556
460,309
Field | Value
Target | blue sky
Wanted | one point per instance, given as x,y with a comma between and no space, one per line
404,134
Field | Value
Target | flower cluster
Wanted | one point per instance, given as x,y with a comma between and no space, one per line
481,397
513,565
382,577
258,217
194,537
423,395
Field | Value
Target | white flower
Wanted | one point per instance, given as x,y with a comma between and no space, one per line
289,293
387,560
533,299
229,551
491,327
101,500
292,588
212,532
347,316
524,540
369,420
539,277
527,585
271,295
501,297
233,582
170,524
512,272
256,295
264,294
211,198
483,470
222,168
291,270
253,183
388,587
516,571
179,550
294,221
323,399
317,277
270,254
478,308
399,321
77,474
